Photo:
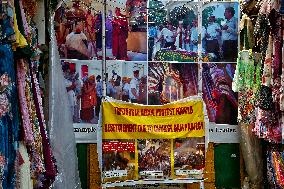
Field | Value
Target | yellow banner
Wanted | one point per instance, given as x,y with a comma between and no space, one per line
170,121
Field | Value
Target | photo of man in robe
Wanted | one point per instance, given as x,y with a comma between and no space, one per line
119,35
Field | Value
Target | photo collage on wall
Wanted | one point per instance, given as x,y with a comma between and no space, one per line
157,52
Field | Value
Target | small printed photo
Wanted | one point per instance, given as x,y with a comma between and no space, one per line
170,82
189,155
173,31
220,29
126,30
154,158
83,83
127,81
78,30
221,101
118,160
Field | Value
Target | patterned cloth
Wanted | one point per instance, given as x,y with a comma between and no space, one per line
9,118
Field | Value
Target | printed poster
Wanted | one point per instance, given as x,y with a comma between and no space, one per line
142,142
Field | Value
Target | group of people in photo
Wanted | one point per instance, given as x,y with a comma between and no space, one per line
156,157
84,95
79,34
221,40
167,36
126,88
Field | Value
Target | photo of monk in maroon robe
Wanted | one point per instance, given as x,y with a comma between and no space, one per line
119,35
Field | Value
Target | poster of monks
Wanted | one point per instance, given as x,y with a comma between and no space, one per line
189,157
83,82
78,29
127,81
221,101
173,30
118,160
169,82
220,27
154,159
126,30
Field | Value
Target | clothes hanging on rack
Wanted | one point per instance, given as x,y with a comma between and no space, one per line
21,111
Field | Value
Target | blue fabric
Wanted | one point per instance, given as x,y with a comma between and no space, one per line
9,122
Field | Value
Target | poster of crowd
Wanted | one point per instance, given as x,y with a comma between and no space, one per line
220,27
126,30
189,157
118,160
173,31
154,160
169,82
83,83
127,81
220,99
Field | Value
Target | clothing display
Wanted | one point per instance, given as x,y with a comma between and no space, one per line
26,158
258,83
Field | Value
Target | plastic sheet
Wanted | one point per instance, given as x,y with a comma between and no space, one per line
62,136
252,154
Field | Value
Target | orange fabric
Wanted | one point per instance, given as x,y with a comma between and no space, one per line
89,95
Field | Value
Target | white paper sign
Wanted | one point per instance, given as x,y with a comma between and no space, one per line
223,133
85,133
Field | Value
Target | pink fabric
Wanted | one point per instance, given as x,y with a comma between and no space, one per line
26,123
26,26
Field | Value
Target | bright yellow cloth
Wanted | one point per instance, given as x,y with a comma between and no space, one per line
20,42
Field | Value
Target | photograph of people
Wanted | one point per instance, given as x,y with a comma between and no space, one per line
221,101
221,36
127,81
173,31
126,26
189,154
154,155
117,157
169,82
84,88
78,27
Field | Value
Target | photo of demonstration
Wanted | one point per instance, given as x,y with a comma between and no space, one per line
118,160
154,158
189,154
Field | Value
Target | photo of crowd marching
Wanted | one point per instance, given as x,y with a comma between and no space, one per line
189,154
173,31
154,158
79,31
83,83
220,31
127,81
118,160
